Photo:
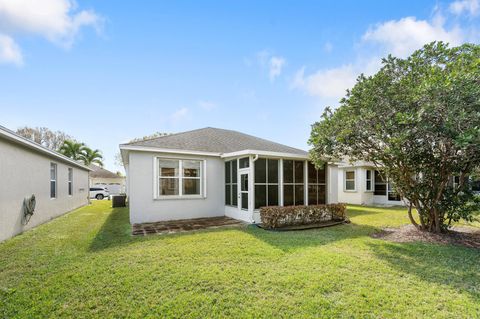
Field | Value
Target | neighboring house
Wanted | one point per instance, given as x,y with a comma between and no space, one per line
115,184
215,172
361,183
59,183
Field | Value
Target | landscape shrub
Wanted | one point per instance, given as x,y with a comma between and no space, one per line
282,216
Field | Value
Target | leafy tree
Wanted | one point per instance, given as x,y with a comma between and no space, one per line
90,156
418,121
72,149
44,136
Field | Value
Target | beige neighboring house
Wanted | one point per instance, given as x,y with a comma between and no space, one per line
59,183
101,177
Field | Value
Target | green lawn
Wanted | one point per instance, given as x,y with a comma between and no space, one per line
86,264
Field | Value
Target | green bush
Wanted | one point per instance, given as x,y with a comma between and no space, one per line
282,216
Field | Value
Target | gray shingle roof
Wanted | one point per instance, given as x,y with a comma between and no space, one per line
100,172
216,140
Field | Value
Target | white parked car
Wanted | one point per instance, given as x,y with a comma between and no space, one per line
99,193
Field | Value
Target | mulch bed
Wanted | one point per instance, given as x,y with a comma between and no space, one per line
463,236
304,227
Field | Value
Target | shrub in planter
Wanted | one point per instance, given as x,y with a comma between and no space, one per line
281,216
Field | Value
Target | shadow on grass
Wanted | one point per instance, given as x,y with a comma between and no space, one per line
115,231
292,240
448,265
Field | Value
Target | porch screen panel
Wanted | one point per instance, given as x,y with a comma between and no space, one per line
266,182
231,187
293,183
380,184
316,185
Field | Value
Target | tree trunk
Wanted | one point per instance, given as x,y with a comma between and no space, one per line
412,220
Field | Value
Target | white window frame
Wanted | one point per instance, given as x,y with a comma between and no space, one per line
53,180
70,181
350,180
370,190
180,177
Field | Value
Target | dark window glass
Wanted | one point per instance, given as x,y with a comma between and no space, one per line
234,195
322,175
53,190
312,194
288,195
191,186
244,162
234,171
244,182
169,186
322,194
272,195
228,172
350,185
228,195
299,195
369,185
379,178
380,185
288,171
272,171
260,196
260,170
298,172
244,200
476,186
312,174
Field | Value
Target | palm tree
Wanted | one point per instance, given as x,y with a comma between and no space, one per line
72,149
90,156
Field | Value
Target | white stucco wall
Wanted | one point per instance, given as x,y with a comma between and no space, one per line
24,172
360,195
145,208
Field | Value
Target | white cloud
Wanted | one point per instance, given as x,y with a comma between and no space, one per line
9,51
328,47
179,114
207,105
275,67
273,63
471,7
402,37
58,21
397,37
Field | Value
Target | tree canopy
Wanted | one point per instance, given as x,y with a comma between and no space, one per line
418,121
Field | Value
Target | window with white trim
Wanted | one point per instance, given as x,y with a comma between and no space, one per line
179,177
231,185
349,180
368,180
316,185
266,182
70,181
53,180
293,183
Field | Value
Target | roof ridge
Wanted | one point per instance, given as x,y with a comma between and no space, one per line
168,135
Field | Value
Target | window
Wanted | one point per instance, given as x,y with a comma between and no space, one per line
368,179
380,184
70,181
392,195
244,162
293,187
179,177
316,185
53,180
349,180
476,185
266,182
231,185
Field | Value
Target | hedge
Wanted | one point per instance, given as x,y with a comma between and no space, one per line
281,216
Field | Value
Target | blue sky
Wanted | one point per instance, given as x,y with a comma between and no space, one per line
108,71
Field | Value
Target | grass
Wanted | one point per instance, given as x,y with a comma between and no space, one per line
86,264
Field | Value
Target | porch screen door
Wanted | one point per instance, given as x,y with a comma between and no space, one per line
244,191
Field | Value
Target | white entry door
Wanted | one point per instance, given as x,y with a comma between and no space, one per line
243,195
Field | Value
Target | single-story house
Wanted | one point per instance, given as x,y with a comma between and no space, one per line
101,177
361,183
59,183
216,172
